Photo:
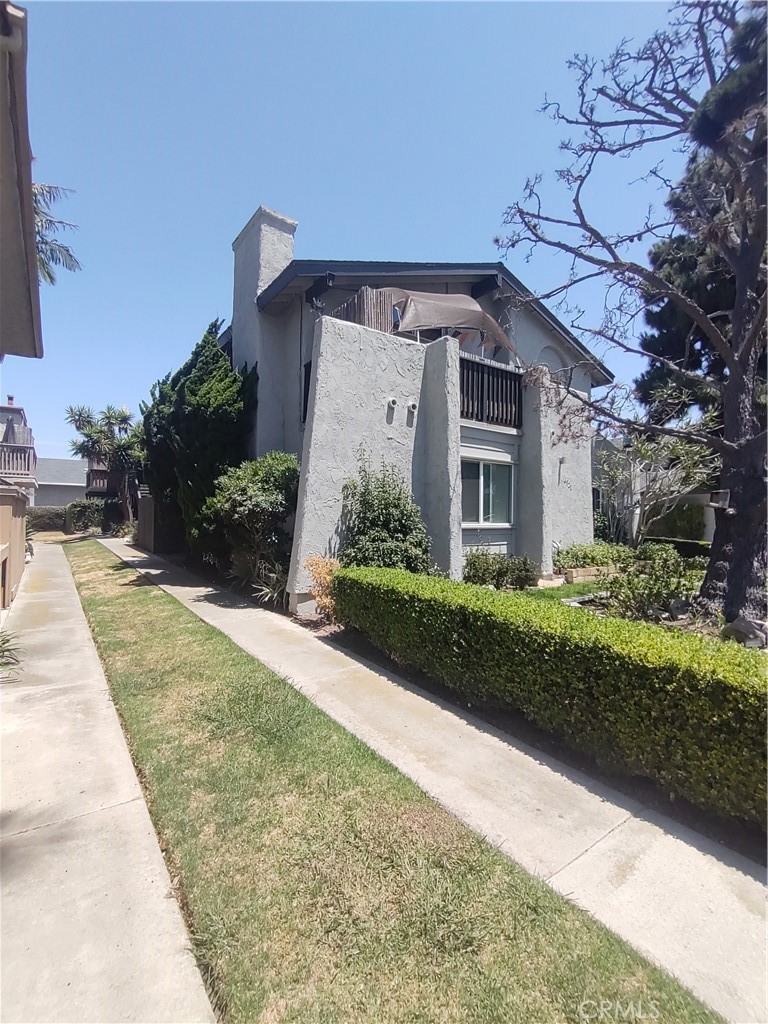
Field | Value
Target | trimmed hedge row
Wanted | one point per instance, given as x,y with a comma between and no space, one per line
684,548
685,710
46,517
93,514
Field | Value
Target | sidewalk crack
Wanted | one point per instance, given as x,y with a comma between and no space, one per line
72,817
587,849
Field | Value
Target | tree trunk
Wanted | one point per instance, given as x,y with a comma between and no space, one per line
736,575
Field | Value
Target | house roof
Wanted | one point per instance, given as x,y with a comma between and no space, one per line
300,275
61,471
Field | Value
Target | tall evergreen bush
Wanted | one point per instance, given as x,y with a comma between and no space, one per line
196,427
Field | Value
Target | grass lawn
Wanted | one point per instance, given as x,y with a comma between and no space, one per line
320,884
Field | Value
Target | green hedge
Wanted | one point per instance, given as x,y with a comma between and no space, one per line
684,521
93,514
685,710
601,553
46,517
684,548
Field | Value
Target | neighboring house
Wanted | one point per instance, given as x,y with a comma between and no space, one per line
20,331
18,459
60,481
604,495
422,366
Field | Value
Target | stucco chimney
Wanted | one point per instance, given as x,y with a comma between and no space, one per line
10,400
264,248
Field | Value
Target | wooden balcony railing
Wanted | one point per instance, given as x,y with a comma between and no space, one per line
97,480
490,393
17,460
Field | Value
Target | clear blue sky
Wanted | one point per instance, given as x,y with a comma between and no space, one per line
388,130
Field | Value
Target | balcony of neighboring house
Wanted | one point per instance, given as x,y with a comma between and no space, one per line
98,481
18,461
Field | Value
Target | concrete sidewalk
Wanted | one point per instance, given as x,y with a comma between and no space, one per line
90,930
688,903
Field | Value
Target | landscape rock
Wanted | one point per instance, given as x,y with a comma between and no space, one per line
749,632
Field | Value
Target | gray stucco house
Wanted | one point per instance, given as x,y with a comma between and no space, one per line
423,366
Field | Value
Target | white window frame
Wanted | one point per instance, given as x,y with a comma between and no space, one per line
480,525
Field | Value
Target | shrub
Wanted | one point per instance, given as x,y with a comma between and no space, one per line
47,517
271,584
683,709
685,521
685,548
92,514
321,571
642,595
504,572
697,564
661,557
601,553
251,504
382,523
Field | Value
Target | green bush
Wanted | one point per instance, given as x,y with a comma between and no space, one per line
92,514
661,556
601,553
643,595
504,572
382,523
685,548
684,521
46,517
251,504
683,709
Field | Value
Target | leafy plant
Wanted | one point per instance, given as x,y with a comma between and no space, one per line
601,553
271,584
383,523
683,709
251,504
321,571
504,572
10,650
643,595
50,251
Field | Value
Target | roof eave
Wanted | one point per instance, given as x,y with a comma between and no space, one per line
601,375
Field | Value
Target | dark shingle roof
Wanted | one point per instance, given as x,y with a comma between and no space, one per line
61,471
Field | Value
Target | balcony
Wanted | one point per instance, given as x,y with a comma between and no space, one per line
97,481
17,461
490,392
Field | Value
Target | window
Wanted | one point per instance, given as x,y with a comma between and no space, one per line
486,492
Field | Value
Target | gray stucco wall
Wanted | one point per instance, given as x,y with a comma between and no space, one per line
437,456
555,483
58,494
355,373
262,250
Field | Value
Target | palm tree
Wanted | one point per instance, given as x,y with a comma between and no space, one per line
50,252
111,439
